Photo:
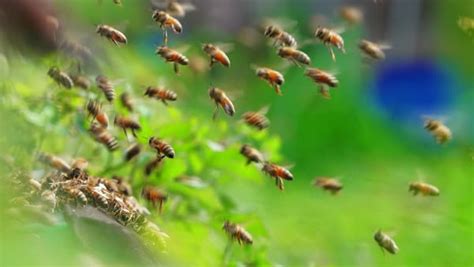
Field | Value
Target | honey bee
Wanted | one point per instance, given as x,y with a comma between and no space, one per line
237,232
152,165
161,94
154,196
280,37
386,242
256,119
330,38
329,184
78,196
122,186
99,198
171,55
175,8
252,154
296,56
112,34
127,123
278,172
216,54
167,21
81,81
102,136
95,110
106,86
423,189
440,132
351,15
198,64
54,162
372,50
132,152
126,101
324,79
273,77
162,148
79,166
60,77
220,98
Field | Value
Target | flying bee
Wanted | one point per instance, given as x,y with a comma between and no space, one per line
54,162
102,136
323,79
174,8
373,50
112,34
330,38
167,21
161,94
152,165
329,184
273,77
216,54
423,189
280,37
154,196
278,172
132,152
122,186
126,101
60,77
95,110
127,123
351,15
170,55
162,148
252,154
385,242
294,55
220,98
81,81
237,232
256,119
440,132
106,86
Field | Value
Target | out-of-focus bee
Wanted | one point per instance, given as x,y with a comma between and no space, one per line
81,81
79,167
161,94
117,2
252,154
198,64
466,24
237,232
162,148
112,34
220,98
423,189
106,86
34,184
132,152
60,77
122,186
127,123
294,55
329,184
49,198
152,165
373,50
385,242
277,172
154,196
256,119
191,181
54,162
95,110
174,8
280,37
351,15
323,79
171,55
273,77
330,38
216,54
126,101
440,132
103,136
167,21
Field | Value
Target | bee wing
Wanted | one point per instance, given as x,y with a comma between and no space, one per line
384,46
264,110
188,7
288,166
183,48
215,146
118,82
339,29
225,47
283,23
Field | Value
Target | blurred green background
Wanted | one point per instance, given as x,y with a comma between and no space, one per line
374,148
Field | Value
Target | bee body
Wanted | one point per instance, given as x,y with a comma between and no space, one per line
294,55
256,119
127,123
132,152
423,189
78,196
252,154
273,77
173,56
322,77
277,172
161,147
330,38
440,132
127,101
386,242
328,184
155,196
161,94
216,54
371,50
104,137
60,77
237,232
152,165
281,37
112,34
167,21
55,162
81,81
106,86
95,110
351,15
220,98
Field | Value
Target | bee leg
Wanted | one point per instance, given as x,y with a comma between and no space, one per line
216,110
331,51
160,208
211,63
277,89
165,36
295,62
249,161
164,102
134,133
125,132
176,68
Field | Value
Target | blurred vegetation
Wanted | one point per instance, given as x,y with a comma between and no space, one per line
348,136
